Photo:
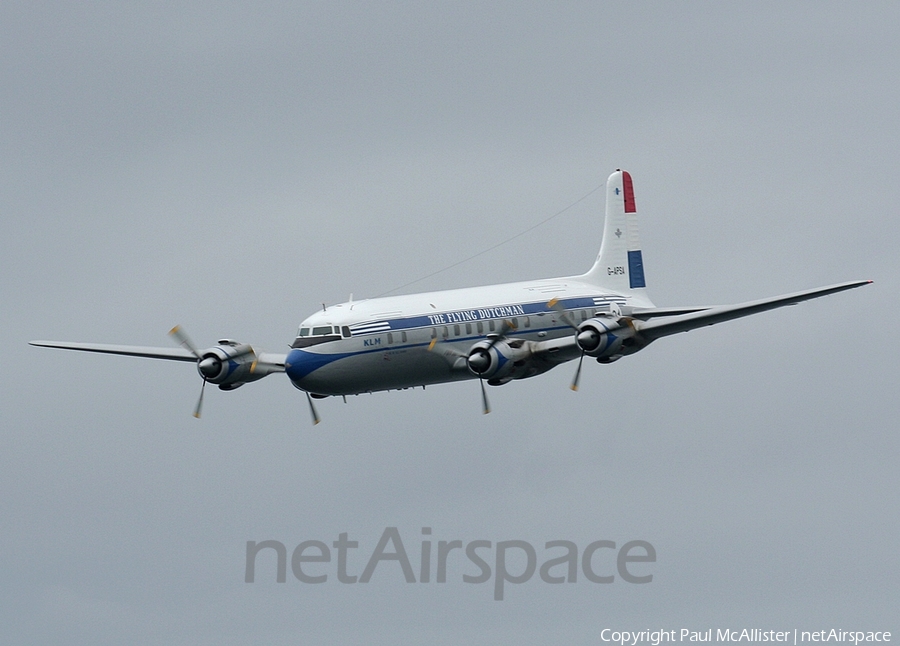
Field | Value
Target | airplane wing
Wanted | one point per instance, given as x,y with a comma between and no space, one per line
660,327
653,323
272,361
174,354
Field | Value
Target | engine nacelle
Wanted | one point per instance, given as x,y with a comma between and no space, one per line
607,338
229,365
501,362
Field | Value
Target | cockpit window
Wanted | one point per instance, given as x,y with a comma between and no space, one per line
309,336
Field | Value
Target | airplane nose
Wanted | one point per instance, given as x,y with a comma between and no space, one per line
293,365
300,363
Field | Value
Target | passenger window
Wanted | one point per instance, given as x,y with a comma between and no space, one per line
456,330
390,338
480,327
446,332
468,328
491,326
433,333
527,321
403,337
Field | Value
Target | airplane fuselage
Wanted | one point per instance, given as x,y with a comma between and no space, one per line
417,340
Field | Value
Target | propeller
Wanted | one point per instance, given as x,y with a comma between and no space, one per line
486,408
312,410
204,366
563,315
505,328
574,386
588,338
208,366
479,360
184,340
200,401
557,307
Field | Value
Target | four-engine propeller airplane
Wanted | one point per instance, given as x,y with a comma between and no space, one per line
494,333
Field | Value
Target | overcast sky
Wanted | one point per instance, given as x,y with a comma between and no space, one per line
230,168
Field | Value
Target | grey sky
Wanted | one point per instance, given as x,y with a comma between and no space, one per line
230,168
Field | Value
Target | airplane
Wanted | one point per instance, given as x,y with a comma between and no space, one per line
493,333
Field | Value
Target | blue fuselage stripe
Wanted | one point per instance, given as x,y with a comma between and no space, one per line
477,314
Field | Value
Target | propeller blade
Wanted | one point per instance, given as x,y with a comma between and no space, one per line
575,381
183,340
312,410
505,328
557,307
445,349
200,401
486,408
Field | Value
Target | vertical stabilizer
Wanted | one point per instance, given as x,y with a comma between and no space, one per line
619,266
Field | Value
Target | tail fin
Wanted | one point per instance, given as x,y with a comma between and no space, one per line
619,266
